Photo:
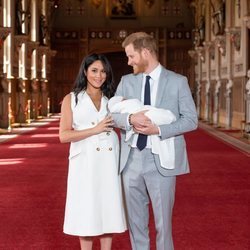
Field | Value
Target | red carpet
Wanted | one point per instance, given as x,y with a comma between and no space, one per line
211,210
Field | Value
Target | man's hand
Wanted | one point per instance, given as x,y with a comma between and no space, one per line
149,129
139,119
143,125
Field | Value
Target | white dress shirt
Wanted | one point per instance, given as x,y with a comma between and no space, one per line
154,82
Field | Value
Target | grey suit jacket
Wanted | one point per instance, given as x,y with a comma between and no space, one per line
173,93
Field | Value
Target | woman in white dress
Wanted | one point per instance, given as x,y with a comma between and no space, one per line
94,204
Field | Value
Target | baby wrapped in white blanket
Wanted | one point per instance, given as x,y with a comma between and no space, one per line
164,148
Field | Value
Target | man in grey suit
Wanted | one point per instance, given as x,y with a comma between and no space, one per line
144,178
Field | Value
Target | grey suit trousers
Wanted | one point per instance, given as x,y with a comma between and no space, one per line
143,183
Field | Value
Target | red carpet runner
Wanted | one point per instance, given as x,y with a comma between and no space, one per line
211,210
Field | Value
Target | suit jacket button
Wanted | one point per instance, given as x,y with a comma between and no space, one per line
110,149
98,149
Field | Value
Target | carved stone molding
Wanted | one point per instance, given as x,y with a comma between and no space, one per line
238,67
192,54
21,85
198,97
235,36
224,70
42,50
20,39
217,86
35,86
5,84
207,86
207,44
212,73
51,53
248,83
201,53
229,86
247,21
96,3
44,85
31,46
210,46
220,42
149,3
4,32
197,41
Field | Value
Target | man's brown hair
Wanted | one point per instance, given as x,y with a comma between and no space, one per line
141,40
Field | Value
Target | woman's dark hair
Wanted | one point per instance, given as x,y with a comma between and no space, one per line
108,87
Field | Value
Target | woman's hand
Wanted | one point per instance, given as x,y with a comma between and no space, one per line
104,126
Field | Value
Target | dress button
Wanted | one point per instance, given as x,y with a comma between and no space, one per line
110,149
92,123
108,133
98,149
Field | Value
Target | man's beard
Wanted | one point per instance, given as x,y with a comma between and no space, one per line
140,67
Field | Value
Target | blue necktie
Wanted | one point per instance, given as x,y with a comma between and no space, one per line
142,139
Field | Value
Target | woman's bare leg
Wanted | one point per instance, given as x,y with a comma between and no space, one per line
86,243
106,241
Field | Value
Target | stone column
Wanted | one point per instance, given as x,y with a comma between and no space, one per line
246,19
194,55
247,96
207,100
21,101
4,83
216,114
34,99
4,100
44,98
198,54
247,121
229,103
198,98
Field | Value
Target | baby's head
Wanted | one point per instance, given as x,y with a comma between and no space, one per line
114,100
